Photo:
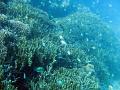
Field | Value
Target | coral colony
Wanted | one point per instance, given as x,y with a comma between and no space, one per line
40,52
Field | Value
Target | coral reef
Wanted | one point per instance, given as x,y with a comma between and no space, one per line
87,31
67,79
38,52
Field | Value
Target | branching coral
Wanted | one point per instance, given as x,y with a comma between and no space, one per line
19,28
68,79
67,55
83,29
38,20
75,79
1,77
3,49
93,36
3,8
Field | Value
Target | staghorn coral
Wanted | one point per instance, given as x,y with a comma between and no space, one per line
67,79
3,8
71,56
45,53
19,28
37,20
35,50
84,28
34,23
3,18
74,79
65,55
3,48
1,77
9,87
94,37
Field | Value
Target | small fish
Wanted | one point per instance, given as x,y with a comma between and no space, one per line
110,87
24,76
39,69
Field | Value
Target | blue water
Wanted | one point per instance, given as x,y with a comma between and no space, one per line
109,10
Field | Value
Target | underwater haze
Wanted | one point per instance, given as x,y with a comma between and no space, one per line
59,45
